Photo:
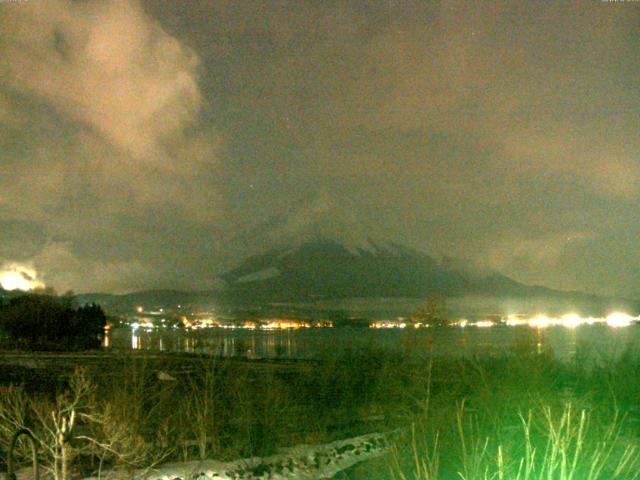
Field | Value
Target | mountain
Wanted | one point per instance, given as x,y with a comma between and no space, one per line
325,268
384,276
317,251
365,278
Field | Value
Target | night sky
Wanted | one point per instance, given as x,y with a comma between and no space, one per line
154,144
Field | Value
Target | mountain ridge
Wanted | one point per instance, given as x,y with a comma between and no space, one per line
323,269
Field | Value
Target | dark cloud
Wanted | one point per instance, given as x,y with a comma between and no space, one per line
152,144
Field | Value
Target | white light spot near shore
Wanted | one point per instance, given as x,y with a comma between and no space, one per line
619,319
19,277
516,320
572,320
540,321
484,324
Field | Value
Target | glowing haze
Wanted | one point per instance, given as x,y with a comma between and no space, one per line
19,277
154,143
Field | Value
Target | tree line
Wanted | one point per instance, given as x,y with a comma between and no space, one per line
35,321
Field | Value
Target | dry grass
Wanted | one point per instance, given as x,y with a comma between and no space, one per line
520,416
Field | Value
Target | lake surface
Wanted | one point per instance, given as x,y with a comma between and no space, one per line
594,342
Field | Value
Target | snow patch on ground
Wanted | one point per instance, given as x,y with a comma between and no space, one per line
302,462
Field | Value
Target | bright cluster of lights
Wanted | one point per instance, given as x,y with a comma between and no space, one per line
15,276
284,325
480,323
381,324
573,320
569,320
144,325
271,324
245,326
618,319
387,324
540,321
200,323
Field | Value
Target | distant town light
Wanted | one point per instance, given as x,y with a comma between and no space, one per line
572,320
514,321
484,324
619,319
540,321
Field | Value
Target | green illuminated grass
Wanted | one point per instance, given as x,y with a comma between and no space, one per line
518,415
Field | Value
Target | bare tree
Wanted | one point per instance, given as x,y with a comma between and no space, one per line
75,424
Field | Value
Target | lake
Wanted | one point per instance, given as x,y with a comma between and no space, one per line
594,342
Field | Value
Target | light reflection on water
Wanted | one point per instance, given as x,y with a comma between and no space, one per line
587,341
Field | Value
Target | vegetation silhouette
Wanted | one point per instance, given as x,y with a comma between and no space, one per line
35,321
